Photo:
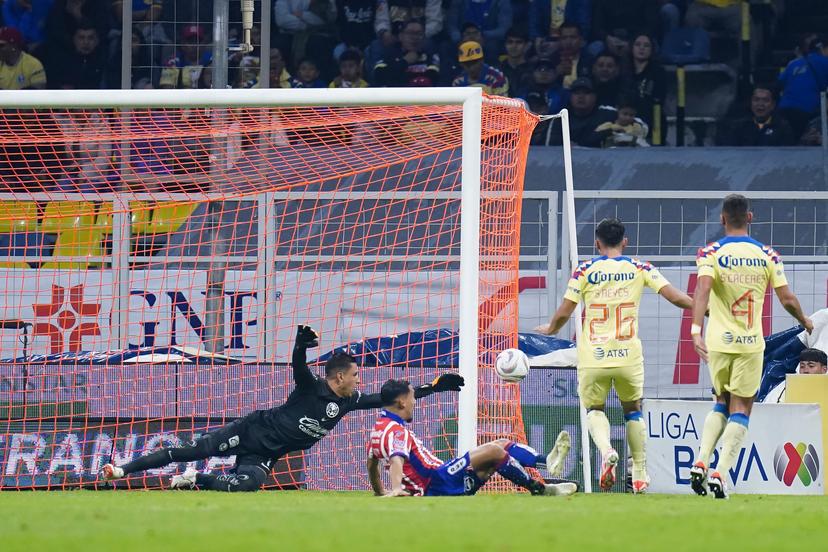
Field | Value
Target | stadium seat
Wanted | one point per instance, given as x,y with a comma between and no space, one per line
139,217
18,236
77,233
66,215
78,242
686,45
169,217
18,216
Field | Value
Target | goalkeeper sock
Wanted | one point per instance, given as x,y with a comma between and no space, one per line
714,425
152,460
514,472
732,438
526,455
599,430
637,441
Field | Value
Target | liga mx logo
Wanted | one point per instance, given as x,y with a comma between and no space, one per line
791,461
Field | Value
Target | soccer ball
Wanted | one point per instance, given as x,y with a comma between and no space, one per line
512,365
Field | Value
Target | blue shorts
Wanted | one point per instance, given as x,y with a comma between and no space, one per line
454,478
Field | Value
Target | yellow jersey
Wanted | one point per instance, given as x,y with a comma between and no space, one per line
26,73
610,289
741,268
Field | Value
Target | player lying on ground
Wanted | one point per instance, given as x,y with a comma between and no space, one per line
609,351
734,273
416,471
311,411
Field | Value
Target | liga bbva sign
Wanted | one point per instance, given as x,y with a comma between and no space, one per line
782,453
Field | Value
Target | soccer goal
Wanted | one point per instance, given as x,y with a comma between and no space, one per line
158,249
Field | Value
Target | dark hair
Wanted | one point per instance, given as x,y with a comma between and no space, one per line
85,25
338,362
307,60
392,390
735,209
774,91
608,54
518,32
570,25
350,55
813,355
610,232
627,100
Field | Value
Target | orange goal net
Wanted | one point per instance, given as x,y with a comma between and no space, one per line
155,263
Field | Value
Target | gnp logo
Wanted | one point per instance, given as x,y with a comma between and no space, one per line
790,461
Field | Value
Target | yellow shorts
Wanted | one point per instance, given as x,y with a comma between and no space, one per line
594,384
739,374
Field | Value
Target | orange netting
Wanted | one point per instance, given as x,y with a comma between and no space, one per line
155,264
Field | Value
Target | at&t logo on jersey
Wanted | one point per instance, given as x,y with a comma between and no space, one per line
730,339
599,353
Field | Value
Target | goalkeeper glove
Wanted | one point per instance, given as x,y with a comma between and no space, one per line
445,382
306,338
448,382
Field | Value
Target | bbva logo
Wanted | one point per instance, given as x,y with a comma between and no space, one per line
790,462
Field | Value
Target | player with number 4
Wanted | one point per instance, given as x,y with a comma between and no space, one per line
609,350
734,273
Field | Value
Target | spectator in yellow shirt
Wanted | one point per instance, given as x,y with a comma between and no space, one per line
350,71
18,70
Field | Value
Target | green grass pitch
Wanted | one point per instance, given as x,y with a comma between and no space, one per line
336,521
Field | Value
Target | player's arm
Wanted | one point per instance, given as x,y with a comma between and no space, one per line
444,382
374,476
306,338
676,297
396,476
701,300
559,319
791,304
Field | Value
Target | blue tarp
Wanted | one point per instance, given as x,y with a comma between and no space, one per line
781,357
432,348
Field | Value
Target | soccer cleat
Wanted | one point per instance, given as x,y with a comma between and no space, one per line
560,489
608,466
698,478
717,486
639,486
186,480
111,471
557,456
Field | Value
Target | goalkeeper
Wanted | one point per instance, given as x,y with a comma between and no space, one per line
312,410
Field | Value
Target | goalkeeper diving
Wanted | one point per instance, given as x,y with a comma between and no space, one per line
311,411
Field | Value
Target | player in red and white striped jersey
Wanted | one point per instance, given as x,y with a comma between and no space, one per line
416,471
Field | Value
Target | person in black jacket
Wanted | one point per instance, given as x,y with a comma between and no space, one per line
408,64
311,411
764,127
585,116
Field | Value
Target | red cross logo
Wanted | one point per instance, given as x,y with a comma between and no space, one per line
64,318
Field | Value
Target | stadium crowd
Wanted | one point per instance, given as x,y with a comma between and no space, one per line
599,58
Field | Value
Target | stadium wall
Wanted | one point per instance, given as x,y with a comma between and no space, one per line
765,169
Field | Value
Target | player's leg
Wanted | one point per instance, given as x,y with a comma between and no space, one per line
593,387
719,365
495,457
249,475
629,384
213,443
745,378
